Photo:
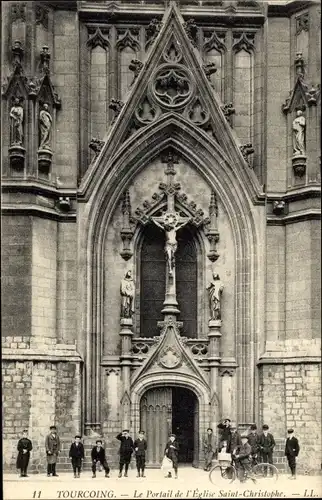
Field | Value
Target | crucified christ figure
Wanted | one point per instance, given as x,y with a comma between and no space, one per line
170,223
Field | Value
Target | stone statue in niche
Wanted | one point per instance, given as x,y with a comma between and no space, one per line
127,296
299,124
45,126
16,122
215,289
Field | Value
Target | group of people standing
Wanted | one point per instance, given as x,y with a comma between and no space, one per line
250,448
245,450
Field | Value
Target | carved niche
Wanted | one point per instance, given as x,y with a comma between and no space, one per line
302,97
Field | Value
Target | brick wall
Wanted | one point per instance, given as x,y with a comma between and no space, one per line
16,275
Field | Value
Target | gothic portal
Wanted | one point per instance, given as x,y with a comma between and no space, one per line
161,191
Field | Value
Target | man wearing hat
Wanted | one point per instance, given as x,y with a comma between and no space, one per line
292,449
52,444
172,451
76,454
140,446
225,432
24,448
234,440
266,443
209,448
98,455
253,441
126,450
242,457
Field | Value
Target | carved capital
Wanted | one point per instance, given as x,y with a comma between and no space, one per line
112,369
226,371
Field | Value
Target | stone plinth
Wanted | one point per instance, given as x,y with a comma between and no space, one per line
17,155
44,162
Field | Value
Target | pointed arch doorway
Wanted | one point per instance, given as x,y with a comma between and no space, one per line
166,410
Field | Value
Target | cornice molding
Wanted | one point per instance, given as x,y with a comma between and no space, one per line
288,361
291,218
36,187
296,195
37,210
288,8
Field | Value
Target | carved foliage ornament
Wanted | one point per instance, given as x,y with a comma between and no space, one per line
18,12
152,31
42,16
302,23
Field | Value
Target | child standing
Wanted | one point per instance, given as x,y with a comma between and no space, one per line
140,446
76,454
24,448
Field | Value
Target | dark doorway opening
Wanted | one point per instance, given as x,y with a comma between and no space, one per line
164,410
184,425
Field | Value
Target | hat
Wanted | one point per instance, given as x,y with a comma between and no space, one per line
172,435
265,427
52,427
253,427
290,431
25,430
209,429
125,430
99,441
141,432
244,436
78,436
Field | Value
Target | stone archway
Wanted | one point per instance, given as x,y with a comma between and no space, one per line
166,381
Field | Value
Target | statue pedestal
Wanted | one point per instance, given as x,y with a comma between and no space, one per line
299,165
17,155
44,162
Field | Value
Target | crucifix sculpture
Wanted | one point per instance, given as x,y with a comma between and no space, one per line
171,221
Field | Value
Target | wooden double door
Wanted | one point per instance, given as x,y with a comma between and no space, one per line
167,410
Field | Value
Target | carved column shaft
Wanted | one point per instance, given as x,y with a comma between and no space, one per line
214,336
126,356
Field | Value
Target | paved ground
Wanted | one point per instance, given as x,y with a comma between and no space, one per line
192,483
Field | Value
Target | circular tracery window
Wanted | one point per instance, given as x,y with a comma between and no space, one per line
172,86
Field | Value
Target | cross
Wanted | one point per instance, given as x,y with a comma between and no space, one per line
171,221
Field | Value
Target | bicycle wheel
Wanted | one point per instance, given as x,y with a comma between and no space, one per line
218,473
265,471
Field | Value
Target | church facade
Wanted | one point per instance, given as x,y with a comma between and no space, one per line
161,222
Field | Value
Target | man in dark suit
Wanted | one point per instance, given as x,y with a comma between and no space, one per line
266,443
126,450
172,452
24,448
253,441
76,454
225,432
52,445
98,455
292,449
234,440
140,446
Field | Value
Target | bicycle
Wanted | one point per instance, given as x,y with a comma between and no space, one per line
226,469
264,470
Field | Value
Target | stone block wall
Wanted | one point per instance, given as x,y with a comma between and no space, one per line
16,275
290,396
41,387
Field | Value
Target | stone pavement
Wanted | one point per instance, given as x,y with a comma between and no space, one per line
192,483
